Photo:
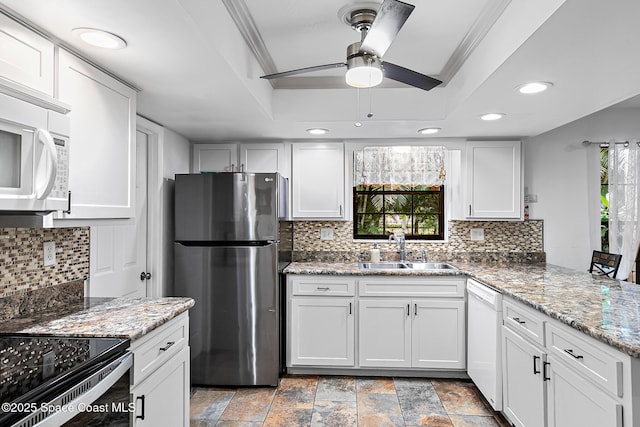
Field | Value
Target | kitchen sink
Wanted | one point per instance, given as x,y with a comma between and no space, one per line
406,266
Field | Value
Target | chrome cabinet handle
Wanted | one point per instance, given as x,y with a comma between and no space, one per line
572,354
169,344
322,288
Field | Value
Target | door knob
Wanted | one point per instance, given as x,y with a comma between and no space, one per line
145,276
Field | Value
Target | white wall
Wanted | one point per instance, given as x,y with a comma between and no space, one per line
176,154
564,174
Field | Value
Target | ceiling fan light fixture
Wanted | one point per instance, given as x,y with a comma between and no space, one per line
363,70
429,131
534,87
99,38
492,116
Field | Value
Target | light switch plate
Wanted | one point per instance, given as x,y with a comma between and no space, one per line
326,234
49,249
477,234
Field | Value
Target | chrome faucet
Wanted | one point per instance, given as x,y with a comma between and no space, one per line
423,255
398,237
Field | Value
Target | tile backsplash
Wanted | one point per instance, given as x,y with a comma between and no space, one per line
504,241
22,258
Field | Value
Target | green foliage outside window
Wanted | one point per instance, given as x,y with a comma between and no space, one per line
382,209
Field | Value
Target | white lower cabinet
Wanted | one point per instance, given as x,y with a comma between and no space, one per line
322,331
343,321
418,333
555,376
160,378
575,402
384,326
524,400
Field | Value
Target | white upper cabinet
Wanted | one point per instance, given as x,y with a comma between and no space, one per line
265,157
103,155
494,188
318,180
215,158
26,58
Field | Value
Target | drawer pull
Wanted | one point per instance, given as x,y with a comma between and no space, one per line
169,344
544,371
517,319
535,365
322,288
141,416
572,354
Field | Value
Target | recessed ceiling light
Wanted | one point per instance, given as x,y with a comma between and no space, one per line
317,131
429,131
357,124
100,38
534,87
492,116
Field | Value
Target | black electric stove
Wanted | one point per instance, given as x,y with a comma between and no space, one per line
36,369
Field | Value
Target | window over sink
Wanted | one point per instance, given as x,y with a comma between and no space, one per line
382,209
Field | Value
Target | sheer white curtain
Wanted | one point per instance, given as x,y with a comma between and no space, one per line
400,165
624,203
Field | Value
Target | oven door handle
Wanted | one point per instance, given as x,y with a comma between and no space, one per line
123,364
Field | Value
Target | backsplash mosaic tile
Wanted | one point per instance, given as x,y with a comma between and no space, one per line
22,260
504,241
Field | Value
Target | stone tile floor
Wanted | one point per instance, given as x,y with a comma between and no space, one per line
345,401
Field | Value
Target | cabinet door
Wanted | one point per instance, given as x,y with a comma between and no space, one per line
322,331
493,185
318,180
575,402
163,398
524,392
438,334
264,157
25,58
102,141
384,327
215,158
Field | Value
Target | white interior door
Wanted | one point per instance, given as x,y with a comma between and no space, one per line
118,249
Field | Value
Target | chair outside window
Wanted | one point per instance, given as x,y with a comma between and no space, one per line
605,264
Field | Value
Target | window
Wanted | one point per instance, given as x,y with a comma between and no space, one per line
382,209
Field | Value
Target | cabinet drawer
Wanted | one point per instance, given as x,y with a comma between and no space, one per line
413,287
154,349
524,320
597,365
323,286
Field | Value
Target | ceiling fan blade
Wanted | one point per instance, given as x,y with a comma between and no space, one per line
304,70
409,77
390,18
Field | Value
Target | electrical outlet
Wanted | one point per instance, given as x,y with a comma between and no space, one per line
326,234
48,364
49,249
477,234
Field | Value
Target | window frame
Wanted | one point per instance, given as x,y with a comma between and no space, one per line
440,236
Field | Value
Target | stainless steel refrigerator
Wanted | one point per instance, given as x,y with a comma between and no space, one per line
231,243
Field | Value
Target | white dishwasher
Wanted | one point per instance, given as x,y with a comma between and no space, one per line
484,355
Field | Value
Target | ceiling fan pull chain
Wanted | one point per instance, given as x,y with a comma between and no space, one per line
370,104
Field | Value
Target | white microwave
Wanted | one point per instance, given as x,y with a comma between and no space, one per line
34,157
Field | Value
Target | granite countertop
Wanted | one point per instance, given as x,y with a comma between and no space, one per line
605,309
100,317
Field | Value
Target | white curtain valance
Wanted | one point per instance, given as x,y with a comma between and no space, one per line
405,165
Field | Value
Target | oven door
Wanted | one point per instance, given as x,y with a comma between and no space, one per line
101,398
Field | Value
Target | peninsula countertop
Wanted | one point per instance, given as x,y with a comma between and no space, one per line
100,317
605,309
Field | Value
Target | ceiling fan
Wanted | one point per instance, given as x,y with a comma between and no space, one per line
365,67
